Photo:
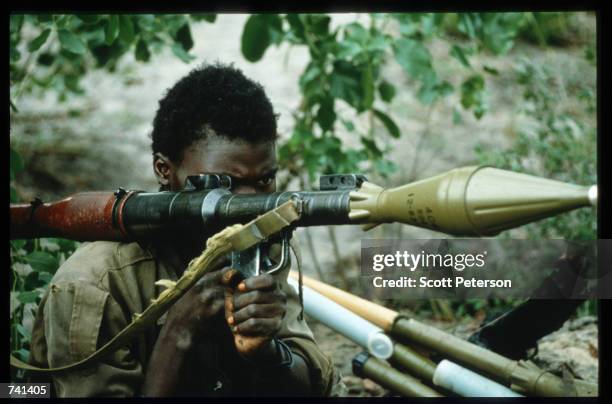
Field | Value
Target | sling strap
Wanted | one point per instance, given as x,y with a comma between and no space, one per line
233,238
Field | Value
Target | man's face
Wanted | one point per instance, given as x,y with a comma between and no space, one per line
252,167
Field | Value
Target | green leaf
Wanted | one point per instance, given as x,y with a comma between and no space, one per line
348,125
13,106
432,91
88,18
28,297
392,128
469,23
473,95
44,18
371,147
146,22
414,58
22,354
71,82
46,59
275,26
42,261
386,91
317,24
181,53
45,277
367,88
297,26
345,83
18,244
126,29
141,52
71,42
348,50
255,38
16,164
500,29
326,116
458,53
23,332
490,70
204,17
112,29
183,36
39,41
16,22
30,281
356,33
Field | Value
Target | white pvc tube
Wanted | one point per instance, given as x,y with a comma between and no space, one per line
466,383
345,322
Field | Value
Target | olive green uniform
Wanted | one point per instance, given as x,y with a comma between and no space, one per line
103,284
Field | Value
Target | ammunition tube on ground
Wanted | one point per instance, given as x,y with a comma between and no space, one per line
520,376
346,323
415,363
466,383
365,365
455,347
377,314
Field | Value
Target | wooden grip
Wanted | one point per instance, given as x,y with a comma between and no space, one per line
84,216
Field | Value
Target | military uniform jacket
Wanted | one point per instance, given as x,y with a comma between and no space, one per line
94,295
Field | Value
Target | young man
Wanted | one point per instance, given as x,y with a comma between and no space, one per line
214,120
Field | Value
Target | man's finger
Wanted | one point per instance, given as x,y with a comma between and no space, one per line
214,277
230,277
258,327
242,300
268,310
261,282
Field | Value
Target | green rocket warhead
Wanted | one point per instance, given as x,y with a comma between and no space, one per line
467,201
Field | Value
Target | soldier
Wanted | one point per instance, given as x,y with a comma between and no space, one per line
214,120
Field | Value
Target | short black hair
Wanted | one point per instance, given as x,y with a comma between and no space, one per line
213,96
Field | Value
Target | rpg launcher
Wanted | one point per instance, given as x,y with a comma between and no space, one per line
468,201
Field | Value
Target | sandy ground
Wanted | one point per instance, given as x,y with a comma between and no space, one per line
100,141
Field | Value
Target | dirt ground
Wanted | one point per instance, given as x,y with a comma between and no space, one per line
100,141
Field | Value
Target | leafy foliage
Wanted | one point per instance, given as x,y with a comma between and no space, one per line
345,70
65,47
558,145
33,263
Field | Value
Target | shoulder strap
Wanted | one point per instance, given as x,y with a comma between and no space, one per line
233,238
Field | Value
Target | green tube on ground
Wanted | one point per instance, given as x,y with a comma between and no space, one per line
365,365
417,364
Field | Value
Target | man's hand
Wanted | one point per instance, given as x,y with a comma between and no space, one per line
254,311
204,301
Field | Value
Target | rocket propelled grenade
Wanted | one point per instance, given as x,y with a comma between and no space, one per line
468,201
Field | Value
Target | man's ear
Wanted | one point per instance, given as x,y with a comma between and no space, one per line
163,168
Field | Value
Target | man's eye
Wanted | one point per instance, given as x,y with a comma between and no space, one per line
266,181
